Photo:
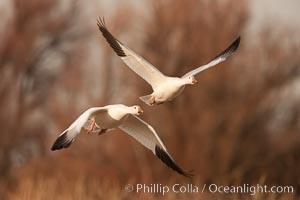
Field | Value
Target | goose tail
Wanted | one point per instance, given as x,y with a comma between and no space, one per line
146,99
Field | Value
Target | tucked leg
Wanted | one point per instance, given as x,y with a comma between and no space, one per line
92,126
152,100
102,131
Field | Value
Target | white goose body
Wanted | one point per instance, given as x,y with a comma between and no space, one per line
168,90
103,119
116,115
164,88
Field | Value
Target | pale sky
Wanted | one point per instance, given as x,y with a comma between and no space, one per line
277,11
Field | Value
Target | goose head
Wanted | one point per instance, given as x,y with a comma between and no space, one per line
136,110
190,80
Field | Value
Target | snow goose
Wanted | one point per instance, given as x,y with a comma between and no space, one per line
165,88
102,119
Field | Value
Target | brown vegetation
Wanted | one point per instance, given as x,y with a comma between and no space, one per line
240,124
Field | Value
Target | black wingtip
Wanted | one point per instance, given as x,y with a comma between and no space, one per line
101,22
162,155
61,142
230,50
235,44
113,42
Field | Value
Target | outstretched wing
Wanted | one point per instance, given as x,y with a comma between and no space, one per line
67,137
135,62
146,135
219,58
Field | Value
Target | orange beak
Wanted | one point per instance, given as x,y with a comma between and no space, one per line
194,81
140,111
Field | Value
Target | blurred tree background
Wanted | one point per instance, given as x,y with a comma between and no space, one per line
240,124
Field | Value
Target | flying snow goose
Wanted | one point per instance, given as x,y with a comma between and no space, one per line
103,119
165,88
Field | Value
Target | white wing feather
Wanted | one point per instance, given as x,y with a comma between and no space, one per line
142,132
147,136
218,59
67,137
135,62
142,67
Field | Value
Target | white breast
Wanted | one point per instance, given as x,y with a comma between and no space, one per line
114,117
168,90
